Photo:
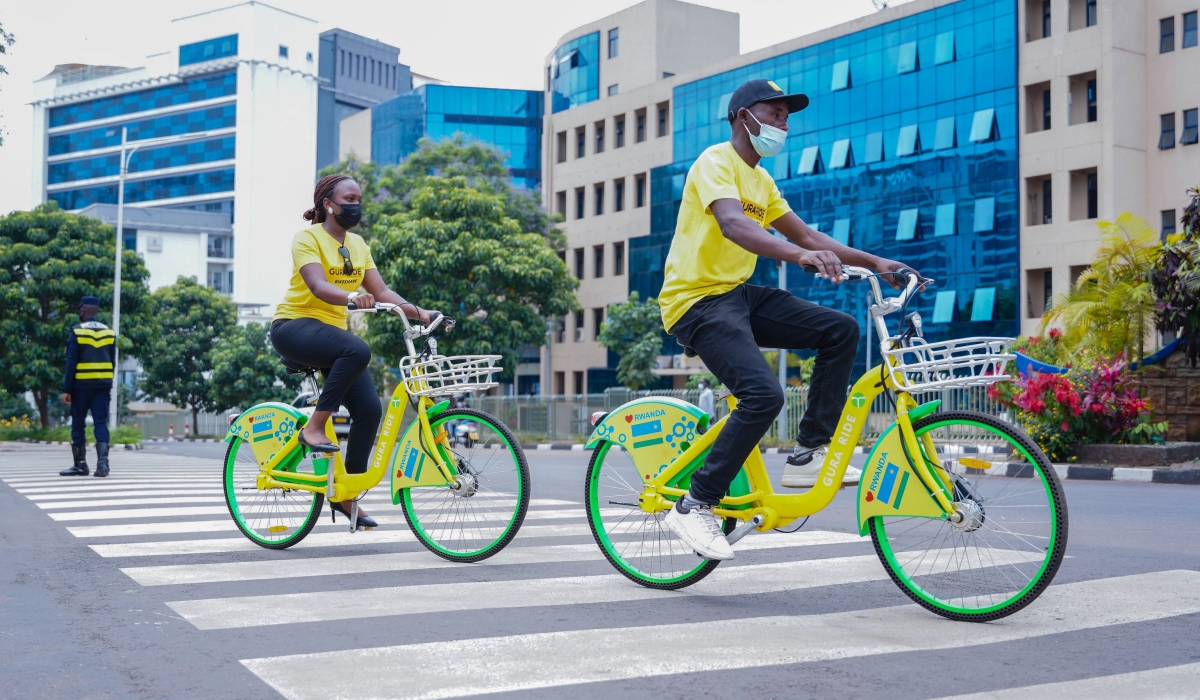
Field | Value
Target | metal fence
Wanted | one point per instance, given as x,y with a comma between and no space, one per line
158,425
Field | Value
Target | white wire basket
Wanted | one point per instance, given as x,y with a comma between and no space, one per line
950,363
442,376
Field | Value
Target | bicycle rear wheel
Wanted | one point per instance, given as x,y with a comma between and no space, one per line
481,518
1011,541
637,543
271,518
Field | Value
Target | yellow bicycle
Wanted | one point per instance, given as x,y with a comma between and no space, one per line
966,513
464,500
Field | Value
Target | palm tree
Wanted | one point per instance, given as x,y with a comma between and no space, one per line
1111,308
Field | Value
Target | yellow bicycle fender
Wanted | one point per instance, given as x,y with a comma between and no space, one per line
653,430
267,427
890,485
410,465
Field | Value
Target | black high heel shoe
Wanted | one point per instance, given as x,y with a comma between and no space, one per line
336,507
327,448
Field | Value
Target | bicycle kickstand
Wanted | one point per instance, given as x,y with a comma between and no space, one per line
354,516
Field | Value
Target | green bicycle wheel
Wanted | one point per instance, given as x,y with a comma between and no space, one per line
481,517
1012,537
637,543
271,518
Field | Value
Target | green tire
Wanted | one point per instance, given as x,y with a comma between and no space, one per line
271,518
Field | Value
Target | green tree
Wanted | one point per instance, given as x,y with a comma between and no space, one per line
190,321
455,249
246,370
1111,309
6,40
48,260
633,331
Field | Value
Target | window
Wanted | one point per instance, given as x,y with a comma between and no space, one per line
612,90
597,321
1166,35
841,231
985,215
909,142
841,76
1091,13
640,125
1081,98
619,258
1045,110
578,202
283,51
578,376
663,109
1091,100
1168,223
619,131
1084,202
906,227
945,137
1037,19
1047,202
943,307
613,45
560,382
561,147
619,195
1037,107
598,261
984,304
129,240
207,50
943,51
579,335
906,62
1093,196
1166,136
599,129
341,61
1039,290
598,191
874,152
810,161
1081,14
560,203
639,186
944,224
1045,18
983,126
580,142
218,246
841,157
1189,30
579,270
1190,119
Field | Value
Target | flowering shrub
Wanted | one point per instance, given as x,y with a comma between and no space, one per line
1049,349
1093,403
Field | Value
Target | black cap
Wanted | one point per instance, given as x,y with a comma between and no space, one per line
755,91
89,300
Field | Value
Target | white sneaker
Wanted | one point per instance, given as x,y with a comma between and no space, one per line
804,476
700,530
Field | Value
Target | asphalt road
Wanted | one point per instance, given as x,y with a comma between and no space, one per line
88,613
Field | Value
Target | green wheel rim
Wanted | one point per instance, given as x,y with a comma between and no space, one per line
484,505
295,510
1024,542
656,535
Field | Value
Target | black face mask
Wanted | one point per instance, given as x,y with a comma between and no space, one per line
350,216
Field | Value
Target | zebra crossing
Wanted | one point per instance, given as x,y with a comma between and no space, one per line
161,521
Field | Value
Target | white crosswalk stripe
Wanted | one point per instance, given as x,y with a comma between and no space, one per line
1170,683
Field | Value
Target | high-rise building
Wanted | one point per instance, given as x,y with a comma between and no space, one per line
237,87
357,73
923,143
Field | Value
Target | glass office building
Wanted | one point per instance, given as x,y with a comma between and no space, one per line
575,76
509,119
908,150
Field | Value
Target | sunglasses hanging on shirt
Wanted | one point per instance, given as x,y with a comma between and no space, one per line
348,267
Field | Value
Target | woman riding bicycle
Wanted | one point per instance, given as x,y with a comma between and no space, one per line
329,264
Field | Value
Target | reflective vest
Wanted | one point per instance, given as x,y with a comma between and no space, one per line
95,351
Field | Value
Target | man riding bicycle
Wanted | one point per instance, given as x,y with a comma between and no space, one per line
728,202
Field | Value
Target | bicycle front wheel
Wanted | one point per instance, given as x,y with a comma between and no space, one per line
481,517
271,518
637,543
1013,533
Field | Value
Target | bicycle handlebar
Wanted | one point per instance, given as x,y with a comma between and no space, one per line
410,331
911,282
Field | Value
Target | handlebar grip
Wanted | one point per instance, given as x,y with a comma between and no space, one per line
812,269
902,275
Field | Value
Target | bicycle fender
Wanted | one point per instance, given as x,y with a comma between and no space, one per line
412,466
654,430
266,427
890,486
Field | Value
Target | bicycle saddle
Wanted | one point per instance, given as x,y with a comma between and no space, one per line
296,368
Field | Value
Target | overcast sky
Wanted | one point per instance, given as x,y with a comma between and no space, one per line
490,43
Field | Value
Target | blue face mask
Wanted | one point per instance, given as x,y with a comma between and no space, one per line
770,140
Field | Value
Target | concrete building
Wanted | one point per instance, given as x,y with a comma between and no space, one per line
357,73
238,86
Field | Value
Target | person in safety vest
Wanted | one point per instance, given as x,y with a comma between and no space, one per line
87,385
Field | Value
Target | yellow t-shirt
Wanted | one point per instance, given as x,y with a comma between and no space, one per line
315,245
702,262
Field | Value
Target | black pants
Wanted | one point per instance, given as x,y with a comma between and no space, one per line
96,401
342,358
726,331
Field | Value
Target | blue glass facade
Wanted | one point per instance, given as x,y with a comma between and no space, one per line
208,50
222,117
147,190
575,75
910,156
201,88
509,119
150,159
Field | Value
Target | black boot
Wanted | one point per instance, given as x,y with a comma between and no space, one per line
79,452
101,459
